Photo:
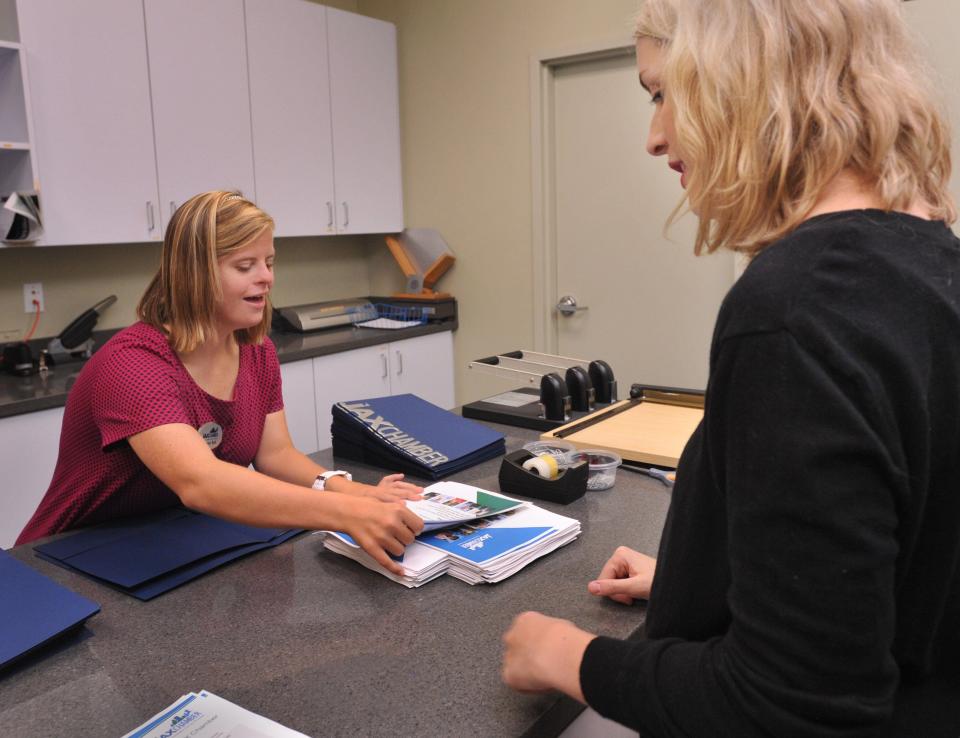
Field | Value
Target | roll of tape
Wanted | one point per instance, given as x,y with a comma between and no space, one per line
543,465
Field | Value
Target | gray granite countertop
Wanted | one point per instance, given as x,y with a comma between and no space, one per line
326,647
29,394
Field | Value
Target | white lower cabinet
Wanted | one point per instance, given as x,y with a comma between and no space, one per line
299,404
28,453
422,366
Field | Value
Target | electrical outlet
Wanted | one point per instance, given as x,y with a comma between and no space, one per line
32,291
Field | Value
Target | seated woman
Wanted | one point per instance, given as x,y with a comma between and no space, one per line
176,407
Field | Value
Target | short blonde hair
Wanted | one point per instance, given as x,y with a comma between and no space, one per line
773,98
181,299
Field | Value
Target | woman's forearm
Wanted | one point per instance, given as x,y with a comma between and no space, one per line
289,465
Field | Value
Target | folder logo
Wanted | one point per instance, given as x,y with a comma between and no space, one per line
393,435
179,722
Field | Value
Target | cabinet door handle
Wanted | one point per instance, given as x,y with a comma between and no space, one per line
346,215
329,214
383,358
173,208
399,363
150,223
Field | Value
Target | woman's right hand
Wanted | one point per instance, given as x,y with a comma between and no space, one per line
381,528
627,575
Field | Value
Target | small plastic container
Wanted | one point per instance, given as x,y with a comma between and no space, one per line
560,450
602,465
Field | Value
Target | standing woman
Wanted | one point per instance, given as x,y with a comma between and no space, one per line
175,408
808,578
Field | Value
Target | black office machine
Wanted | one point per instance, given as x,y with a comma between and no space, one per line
558,389
77,338
338,313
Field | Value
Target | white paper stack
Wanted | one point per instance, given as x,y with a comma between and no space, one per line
507,545
420,564
204,715
486,549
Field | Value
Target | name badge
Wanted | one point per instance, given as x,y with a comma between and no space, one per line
212,433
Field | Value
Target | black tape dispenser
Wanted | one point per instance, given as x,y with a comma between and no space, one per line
522,473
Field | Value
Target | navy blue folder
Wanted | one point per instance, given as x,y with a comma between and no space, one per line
150,555
34,609
407,433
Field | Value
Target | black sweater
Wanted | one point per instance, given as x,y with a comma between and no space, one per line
808,580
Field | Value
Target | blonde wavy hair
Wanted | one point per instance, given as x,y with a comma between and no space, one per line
773,98
182,298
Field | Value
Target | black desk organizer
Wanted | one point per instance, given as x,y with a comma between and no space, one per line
570,484
560,399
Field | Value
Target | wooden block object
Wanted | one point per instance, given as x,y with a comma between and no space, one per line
648,432
437,269
410,269
406,265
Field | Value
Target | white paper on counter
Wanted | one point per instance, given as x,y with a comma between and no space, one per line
205,715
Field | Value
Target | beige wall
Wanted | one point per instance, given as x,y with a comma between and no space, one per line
465,122
936,24
76,277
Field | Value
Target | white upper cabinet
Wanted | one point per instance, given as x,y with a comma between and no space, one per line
201,99
141,104
290,110
366,123
90,97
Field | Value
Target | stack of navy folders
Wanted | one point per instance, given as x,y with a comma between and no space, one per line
35,609
408,434
147,556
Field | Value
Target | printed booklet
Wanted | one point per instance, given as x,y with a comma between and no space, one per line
205,715
498,540
446,504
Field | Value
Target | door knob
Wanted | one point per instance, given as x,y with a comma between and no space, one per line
567,305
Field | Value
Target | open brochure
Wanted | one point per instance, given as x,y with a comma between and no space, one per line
446,504
205,715
488,548
20,218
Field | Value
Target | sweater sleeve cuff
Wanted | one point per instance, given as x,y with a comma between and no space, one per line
601,678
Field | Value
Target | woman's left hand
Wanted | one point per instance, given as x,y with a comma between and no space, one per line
544,653
392,488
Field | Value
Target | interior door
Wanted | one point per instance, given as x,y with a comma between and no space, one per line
650,303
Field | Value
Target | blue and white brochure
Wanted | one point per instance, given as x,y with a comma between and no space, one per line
446,504
489,548
502,545
204,715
